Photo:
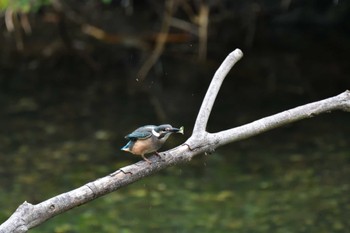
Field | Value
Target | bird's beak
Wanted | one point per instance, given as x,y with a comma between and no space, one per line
176,130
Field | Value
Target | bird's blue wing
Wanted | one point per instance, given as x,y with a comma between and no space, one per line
138,135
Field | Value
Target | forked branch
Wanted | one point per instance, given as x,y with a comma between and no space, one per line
28,215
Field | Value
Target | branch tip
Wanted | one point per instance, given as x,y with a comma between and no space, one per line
237,53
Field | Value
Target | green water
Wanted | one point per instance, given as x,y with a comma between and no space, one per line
294,179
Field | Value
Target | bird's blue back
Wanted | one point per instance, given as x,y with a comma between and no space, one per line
143,132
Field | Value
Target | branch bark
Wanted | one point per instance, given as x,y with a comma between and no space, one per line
28,215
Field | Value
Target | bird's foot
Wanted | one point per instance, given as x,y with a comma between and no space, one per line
159,156
147,160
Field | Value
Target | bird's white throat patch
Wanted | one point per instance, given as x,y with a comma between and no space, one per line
155,133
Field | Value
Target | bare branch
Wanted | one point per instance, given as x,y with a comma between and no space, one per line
339,102
28,215
199,135
161,40
213,90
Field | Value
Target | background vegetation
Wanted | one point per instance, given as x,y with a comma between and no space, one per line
76,76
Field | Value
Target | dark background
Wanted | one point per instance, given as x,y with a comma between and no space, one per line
71,89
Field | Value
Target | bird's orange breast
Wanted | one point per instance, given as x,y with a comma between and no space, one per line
141,147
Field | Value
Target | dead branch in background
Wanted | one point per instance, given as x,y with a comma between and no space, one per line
195,26
203,20
160,42
29,215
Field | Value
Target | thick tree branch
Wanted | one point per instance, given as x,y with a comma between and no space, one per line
28,215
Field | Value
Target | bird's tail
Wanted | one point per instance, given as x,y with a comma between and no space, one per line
126,147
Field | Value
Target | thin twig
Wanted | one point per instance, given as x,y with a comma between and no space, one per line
203,20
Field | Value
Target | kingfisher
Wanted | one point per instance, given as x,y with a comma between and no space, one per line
148,139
